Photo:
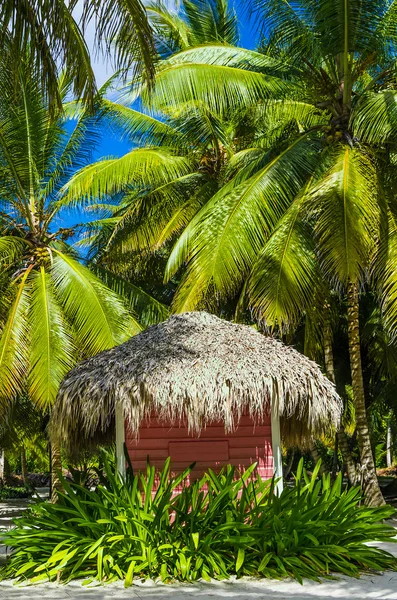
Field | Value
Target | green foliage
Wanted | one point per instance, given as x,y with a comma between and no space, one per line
223,524
54,310
10,493
49,37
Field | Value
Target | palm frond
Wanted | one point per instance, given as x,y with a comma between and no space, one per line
288,26
223,55
281,284
11,249
223,240
345,27
170,28
149,309
141,167
144,217
344,203
14,342
211,21
99,316
46,34
385,275
51,347
221,88
374,119
140,127
123,27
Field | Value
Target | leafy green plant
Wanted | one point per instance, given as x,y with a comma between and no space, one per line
151,525
9,493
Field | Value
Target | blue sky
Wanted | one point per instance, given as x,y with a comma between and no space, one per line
112,146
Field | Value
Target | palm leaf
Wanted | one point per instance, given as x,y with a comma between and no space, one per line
11,249
344,203
223,240
141,167
143,219
221,88
51,346
99,316
281,284
375,117
223,55
14,343
150,310
384,272
138,126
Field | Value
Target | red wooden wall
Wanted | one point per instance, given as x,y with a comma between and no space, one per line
214,448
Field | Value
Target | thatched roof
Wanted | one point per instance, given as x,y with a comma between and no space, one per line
193,368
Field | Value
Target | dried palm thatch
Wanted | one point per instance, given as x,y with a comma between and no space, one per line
194,369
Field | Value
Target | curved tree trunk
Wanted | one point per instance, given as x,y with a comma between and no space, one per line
56,470
330,372
24,470
288,467
341,440
353,473
372,493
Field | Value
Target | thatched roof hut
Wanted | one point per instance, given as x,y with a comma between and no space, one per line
194,369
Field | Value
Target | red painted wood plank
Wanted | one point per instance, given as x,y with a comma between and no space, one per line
210,432
139,454
179,466
255,440
199,451
162,443
253,453
149,444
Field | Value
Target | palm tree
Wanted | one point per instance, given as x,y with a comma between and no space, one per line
313,197
137,217
54,310
192,23
53,37
323,203
22,429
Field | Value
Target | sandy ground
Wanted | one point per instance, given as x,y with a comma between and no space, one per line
368,587
377,587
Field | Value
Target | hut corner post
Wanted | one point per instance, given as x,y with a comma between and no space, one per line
120,440
276,444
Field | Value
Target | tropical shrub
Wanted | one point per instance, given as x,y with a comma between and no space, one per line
221,525
10,493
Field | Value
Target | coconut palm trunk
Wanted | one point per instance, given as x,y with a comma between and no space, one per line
341,440
389,443
7,470
1,465
330,371
56,471
372,493
316,456
24,470
328,352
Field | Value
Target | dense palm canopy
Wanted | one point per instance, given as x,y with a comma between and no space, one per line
195,22
323,155
54,310
185,152
53,33
303,201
